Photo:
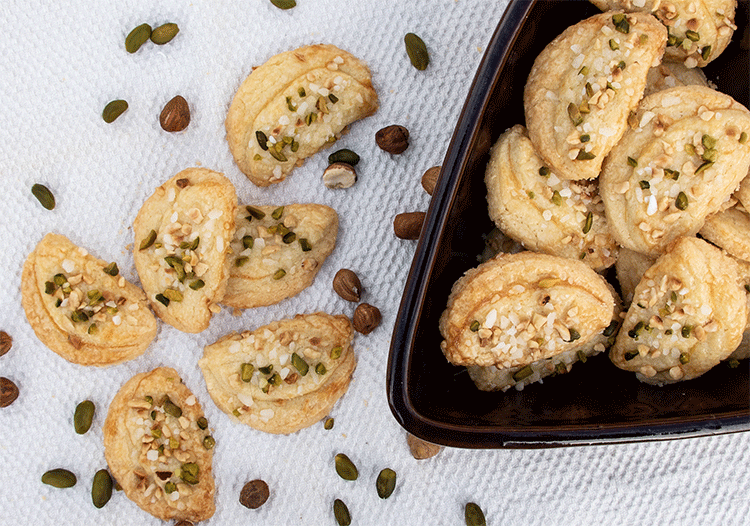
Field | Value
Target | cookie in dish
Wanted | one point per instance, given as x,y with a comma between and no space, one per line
682,161
583,86
530,203
521,312
699,30
688,313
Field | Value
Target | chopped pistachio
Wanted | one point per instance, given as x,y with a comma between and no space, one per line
189,472
279,274
49,287
290,105
544,171
585,137
692,35
257,157
743,138
589,222
320,369
575,114
682,201
474,327
706,52
79,316
289,237
93,329
268,369
148,240
248,241
556,198
336,352
629,355
161,298
584,71
202,422
241,261
672,174
305,244
171,408
262,140
209,442
173,295
613,45
690,149
637,330
333,98
583,155
246,372
574,335
197,284
632,162
686,330
523,373
620,21
644,185
275,379
581,356
59,279
170,487
300,364
257,213
684,358
301,91
112,269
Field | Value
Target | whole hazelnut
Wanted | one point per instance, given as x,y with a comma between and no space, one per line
408,225
429,179
347,285
339,175
421,449
366,318
175,116
393,139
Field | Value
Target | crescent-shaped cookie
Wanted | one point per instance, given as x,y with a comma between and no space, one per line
277,251
292,106
530,203
671,74
284,376
583,86
730,230
158,447
688,313
182,237
81,308
516,309
681,161
699,30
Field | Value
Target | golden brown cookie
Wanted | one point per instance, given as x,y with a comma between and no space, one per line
277,251
531,204
730,230
516,309
688,313
670,74
699,30
494,378
292,106
81,308
681,161
158,447
182,237
284,376
630,267
583,86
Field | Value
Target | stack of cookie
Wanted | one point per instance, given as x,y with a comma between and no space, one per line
626,156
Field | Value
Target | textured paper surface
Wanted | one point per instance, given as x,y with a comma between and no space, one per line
61,62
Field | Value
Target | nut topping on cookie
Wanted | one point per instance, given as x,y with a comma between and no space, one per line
324,89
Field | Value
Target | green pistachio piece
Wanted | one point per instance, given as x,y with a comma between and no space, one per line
300,364
44,196
137,37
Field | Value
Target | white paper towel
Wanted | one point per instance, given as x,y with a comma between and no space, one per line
61,62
